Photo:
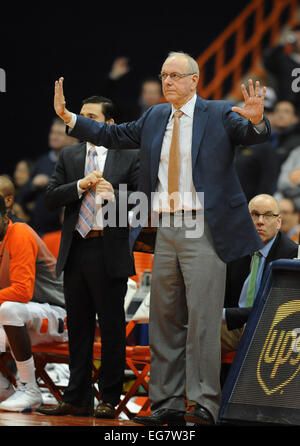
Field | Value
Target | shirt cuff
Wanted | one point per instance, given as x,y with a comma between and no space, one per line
79,190
73,121
259,128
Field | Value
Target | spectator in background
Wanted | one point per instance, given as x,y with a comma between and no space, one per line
123,87
288,185
150,94
285,129
258,165
21,175
22,172
43,220
257,168
280,61
290,219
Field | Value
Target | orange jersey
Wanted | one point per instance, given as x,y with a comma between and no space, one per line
52,240
27,268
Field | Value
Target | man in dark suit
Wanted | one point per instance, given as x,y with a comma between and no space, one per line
265,213
96,263
188,277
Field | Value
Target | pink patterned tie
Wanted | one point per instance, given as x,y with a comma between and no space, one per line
87,209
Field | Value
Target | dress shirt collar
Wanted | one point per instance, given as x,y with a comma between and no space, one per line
187,108
266,249
100,149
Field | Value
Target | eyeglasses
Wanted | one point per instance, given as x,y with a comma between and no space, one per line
173,76
267,216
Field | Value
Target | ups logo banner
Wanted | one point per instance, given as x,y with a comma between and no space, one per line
270,375
279,360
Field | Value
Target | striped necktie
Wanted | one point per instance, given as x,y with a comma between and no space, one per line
87,209
252,280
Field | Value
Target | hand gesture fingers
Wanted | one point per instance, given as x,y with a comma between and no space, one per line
59,98
59,101
264,92
257,89
244,92
254,102
251,88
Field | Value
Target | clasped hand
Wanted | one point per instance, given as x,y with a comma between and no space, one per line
102,186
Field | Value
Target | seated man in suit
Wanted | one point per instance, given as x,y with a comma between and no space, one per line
242,283
31,307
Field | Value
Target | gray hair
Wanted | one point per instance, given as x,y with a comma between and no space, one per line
192,63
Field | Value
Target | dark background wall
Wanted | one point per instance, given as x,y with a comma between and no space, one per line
39,44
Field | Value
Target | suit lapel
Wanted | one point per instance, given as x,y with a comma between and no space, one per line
274,252
158,132
110,163
79,160
199,123
80,156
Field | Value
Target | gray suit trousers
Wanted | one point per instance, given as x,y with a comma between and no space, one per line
187,296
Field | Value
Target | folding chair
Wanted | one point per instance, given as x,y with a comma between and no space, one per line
142,261
137,361
59,353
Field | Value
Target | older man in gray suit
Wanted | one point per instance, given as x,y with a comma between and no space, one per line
188,273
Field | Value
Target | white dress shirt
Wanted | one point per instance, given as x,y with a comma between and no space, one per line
188,196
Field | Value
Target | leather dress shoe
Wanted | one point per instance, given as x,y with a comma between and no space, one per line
105,410
170,417
64,409
199,415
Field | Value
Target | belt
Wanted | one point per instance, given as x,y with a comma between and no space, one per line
180,213
91,234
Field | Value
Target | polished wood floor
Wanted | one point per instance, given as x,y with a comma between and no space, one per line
36,419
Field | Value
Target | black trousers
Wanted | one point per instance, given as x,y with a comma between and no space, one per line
89,291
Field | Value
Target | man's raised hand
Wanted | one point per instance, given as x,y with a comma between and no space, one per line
59,101
254,102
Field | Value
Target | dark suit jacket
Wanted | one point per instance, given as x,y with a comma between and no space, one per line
258,169
215,131
43,220
238,271
121,167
